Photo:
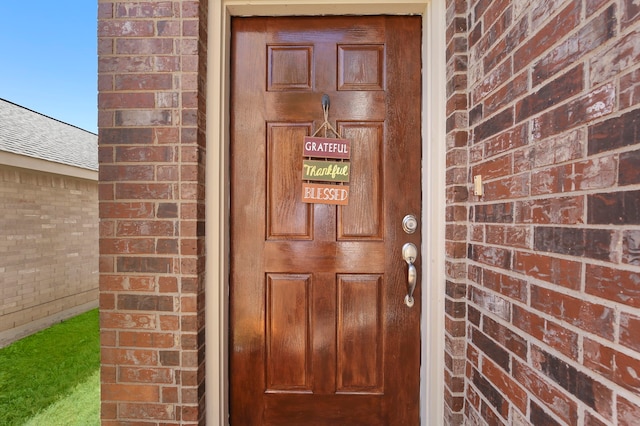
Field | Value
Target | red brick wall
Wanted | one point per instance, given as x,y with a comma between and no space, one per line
152,58
543,270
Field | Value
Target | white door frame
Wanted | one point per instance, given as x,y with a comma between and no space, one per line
433,186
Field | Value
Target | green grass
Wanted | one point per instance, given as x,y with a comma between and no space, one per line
79,408
40,369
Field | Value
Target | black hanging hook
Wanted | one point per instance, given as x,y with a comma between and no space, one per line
326,103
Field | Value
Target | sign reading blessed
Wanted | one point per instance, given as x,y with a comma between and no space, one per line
325,193
331,169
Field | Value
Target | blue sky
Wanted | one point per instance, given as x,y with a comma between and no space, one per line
49,60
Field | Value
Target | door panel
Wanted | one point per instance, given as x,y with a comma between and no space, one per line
287,217
288,333
362,218
319,332
359,334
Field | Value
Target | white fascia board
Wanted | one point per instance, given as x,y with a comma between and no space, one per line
37,164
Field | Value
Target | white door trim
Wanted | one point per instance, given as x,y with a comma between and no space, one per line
433,186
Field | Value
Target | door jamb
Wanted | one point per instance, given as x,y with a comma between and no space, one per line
433,186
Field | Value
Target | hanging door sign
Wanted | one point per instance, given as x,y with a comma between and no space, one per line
325,162
325,171
327,148
325,193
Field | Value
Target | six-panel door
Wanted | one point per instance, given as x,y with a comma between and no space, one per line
319,332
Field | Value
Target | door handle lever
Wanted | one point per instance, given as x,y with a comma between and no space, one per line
409,254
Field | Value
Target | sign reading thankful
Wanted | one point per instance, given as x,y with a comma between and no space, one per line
327,171
335,171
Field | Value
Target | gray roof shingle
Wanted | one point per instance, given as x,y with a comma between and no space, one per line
29,133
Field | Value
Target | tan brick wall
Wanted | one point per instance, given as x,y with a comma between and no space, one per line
48,249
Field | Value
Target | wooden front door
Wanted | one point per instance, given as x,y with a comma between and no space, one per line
320,333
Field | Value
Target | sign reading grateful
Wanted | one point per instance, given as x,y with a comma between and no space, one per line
327,148
325,170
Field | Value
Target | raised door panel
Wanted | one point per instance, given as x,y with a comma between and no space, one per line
362,219
288,361
287,217
361,67
360,334
289,68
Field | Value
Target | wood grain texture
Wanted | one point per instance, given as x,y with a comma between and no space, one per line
319,331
